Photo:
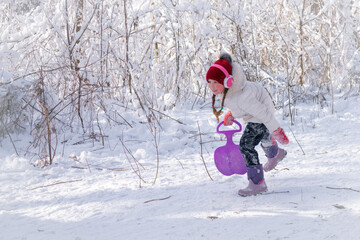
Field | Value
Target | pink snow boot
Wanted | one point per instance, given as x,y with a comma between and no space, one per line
274,155
256,181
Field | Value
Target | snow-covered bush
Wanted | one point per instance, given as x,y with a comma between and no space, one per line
13,115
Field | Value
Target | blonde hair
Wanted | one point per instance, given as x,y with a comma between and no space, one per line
216,112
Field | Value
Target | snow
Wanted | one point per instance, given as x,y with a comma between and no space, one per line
91,191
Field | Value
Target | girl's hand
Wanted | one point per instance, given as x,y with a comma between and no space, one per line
228,119
279,135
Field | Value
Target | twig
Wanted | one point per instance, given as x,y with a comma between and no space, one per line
167,116
131,154
124,119
158,199
181,164
101,169
32,73
137,172
201,152
350,189
7,132
57,183
297,141
195,135
268,193
88,164
156,143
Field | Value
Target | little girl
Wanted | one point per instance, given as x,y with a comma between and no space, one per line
251,102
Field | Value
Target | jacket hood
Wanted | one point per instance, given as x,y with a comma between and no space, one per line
239,77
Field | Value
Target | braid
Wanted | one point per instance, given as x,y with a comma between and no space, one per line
216,112
223,100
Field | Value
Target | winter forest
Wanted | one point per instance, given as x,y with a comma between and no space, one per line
116,75
73,64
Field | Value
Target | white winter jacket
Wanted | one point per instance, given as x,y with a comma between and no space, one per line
249,100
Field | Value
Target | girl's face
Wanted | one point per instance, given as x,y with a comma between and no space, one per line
216,87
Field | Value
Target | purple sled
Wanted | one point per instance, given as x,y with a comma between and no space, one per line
228,158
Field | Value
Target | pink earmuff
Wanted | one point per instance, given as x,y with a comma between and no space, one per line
228,78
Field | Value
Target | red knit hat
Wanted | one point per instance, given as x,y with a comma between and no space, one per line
215,73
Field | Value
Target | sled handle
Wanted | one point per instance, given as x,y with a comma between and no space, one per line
229,131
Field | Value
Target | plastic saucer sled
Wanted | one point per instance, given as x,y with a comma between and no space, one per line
228,158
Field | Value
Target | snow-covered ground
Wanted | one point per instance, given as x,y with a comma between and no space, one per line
91,192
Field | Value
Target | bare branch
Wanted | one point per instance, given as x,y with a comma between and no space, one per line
201,153
158,199
53,184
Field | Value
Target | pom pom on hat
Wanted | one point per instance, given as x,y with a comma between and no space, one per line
216,74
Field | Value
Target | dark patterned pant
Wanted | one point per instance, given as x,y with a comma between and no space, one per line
254,133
